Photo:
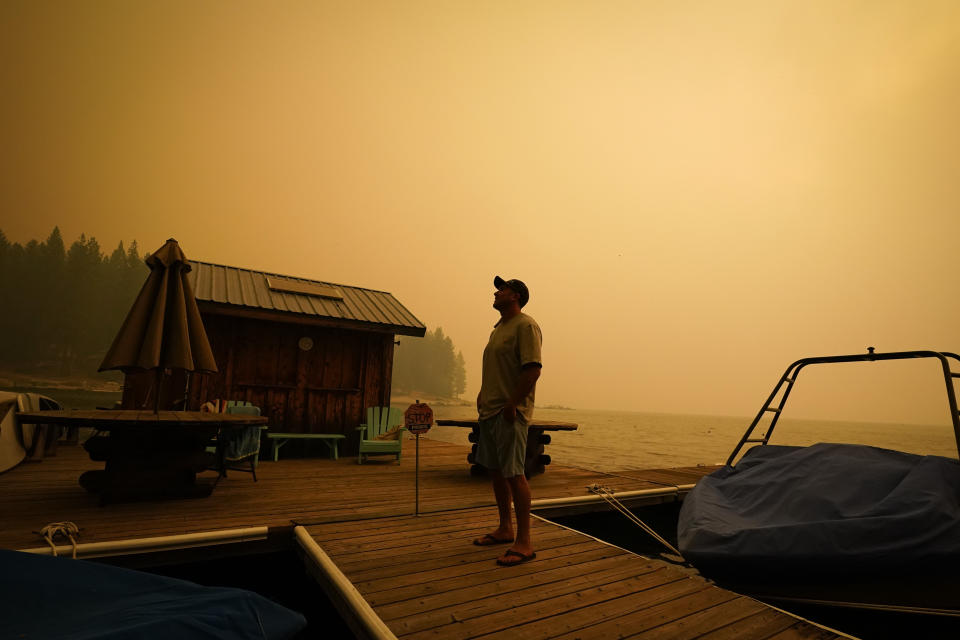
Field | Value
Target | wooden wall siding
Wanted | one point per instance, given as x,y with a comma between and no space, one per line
324,390
138,390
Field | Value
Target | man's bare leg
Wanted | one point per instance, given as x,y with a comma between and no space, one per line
520,490
501,491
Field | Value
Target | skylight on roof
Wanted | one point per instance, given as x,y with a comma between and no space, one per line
304,288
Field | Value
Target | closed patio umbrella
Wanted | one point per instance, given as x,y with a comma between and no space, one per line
163,329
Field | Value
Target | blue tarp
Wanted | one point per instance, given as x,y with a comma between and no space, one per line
828,508
52,598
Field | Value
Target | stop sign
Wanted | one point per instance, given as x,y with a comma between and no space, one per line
418,418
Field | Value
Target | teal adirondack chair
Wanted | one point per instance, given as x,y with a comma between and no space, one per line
380,420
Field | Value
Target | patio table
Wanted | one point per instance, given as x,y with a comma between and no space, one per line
147,455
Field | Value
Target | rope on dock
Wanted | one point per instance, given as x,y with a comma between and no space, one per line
607,494
63,529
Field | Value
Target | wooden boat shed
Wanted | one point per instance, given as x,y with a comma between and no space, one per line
312,355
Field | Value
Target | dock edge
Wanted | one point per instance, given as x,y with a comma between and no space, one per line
358,612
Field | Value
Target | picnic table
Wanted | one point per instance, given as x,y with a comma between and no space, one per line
147,454
535,460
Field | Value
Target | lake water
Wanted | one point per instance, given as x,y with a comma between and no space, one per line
619,440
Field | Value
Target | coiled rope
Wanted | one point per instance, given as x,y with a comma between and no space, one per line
607,494
64,530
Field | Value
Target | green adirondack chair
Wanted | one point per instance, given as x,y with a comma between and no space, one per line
379,421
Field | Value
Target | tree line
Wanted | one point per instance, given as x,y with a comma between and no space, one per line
429,365
62,307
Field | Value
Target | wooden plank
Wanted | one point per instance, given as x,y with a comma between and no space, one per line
577,555
666,476
550,618
332,378
481,566
547,603
373,372
225,382
457,553
763,624
386,542
592,572
244,358
649,610
803,631
347,529
388,354
287,348
437,550
725,615
352,374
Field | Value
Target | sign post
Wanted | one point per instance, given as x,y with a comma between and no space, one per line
418,418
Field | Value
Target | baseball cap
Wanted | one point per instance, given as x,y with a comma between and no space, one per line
516,285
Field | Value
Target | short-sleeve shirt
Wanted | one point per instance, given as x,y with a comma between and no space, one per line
513,344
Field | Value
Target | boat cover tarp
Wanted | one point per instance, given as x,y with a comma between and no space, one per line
827,508
52,598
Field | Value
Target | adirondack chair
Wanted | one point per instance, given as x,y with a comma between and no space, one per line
238,445
379,421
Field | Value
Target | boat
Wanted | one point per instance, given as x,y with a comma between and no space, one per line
19,442
12,452
833,523
63,598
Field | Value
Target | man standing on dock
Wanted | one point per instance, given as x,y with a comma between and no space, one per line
511,367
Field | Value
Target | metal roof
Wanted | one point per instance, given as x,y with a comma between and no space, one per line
246,288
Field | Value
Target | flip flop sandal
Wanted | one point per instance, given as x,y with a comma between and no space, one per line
510,553
488,540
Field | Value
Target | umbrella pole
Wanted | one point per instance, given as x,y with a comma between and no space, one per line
159,383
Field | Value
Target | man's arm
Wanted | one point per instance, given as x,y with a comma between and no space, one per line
528,379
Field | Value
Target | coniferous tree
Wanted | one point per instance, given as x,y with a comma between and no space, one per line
53,294
6,289
429,365
459,375
30,319
63,306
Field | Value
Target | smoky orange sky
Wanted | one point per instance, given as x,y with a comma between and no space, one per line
697,193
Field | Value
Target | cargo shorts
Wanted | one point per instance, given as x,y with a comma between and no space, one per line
502,445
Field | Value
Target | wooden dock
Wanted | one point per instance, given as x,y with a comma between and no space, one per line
420,574
424,579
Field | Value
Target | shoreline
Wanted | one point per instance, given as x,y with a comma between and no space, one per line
11,379
408,398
